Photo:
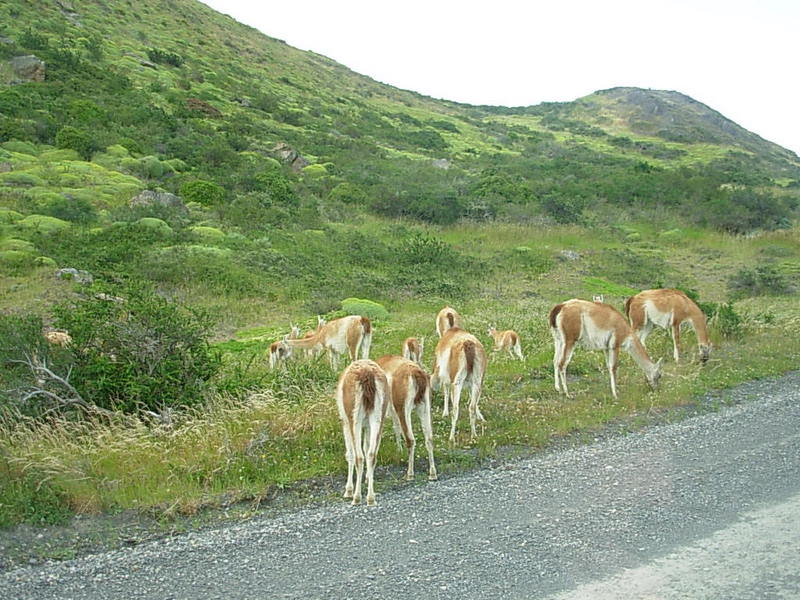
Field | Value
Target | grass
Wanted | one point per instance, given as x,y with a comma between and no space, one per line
287,430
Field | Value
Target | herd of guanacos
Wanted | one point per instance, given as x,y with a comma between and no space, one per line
399,385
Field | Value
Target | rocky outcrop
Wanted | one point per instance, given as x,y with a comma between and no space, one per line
76,275
290,156
27,68
153,198
201,106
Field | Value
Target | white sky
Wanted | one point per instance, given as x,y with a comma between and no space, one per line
740,57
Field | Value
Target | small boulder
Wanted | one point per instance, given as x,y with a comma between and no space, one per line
153,198
26,69
201,106
290,156
569,255
76,275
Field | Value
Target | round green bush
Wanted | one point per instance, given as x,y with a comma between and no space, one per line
59,155
204,192
8,216
21,147
17,244
21,178
118,151
43,223
365,308
208,233
156,225
348,193
151,166
315,171
45,261
77,139
15,260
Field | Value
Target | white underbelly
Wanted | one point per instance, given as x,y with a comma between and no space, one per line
662,319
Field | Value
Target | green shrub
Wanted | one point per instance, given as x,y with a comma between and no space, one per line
563,210
21,178
17,244
164,57
203,192
21,147
15,261
278,187
158,226
208,233
43,223
74,209
315,171
77,139
8,216
141,352
760,281
59,155
45,262
35,500
349,193
365,308
151,167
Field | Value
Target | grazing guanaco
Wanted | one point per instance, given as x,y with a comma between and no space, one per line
412,349
460,360
668,309
362,397
598,327
311,352
279,352
507,340
409,390
348,334
446,319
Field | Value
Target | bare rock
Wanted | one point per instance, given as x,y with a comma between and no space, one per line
26,69
76,275
290,156
201,106
569,255
153,198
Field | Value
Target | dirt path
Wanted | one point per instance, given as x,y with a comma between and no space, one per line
707,507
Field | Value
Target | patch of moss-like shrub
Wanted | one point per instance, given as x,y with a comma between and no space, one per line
77,139
8,216
365,308
59,155
208,233
43,223
17,244
156,225
45,261
203,192
21,178
21,147
315,171
15,261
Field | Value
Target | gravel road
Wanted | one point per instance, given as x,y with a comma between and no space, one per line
705,508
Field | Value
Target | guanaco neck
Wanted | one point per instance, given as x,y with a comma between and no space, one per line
635,348
700,327
307,343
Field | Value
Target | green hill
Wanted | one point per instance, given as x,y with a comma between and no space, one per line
177,188
191,94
